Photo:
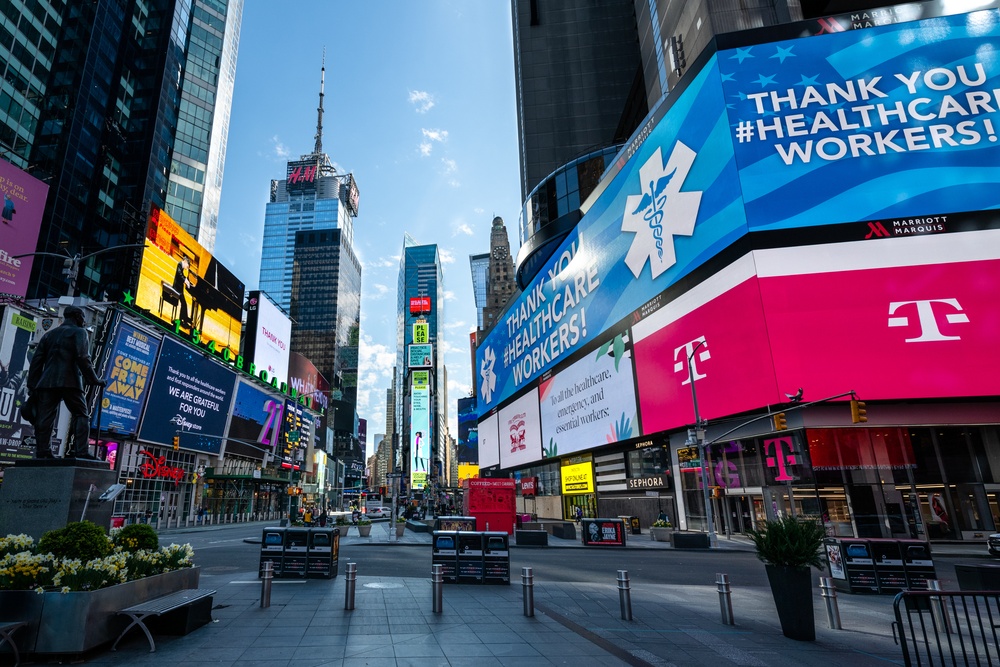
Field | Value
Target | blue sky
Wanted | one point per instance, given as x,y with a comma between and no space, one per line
420,107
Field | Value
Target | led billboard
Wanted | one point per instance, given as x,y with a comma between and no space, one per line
520,431
16,330
268,337
590,403
305,378
420,356
489,441
190,395
128,374
468,431
420,436
20,220
257,419
180,281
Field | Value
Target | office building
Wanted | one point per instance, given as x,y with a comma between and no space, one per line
480,265
312,196
500,283
132,113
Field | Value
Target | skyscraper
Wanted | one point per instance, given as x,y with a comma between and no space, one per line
133,113
480,266
500,284
420,276
312,196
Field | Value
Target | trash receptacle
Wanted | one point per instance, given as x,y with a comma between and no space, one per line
470,557
272,547
296,552
323,547
496,558
856,570
444,552
918,563
632,524
889,570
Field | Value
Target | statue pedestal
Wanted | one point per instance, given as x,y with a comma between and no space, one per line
39,496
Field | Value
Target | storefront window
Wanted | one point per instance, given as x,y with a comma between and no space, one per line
649,462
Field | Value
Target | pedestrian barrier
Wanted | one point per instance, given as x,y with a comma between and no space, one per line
725,598
625,595
528,591
350,581
937,627
828,591
437,588
267,575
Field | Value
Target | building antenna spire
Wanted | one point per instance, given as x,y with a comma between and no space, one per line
318,149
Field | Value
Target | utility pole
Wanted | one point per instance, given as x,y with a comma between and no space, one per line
696,436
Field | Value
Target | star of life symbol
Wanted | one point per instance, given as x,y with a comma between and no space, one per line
661,209
489,384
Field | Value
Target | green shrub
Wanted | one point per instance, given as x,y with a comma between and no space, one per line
137,536
789,542
84,540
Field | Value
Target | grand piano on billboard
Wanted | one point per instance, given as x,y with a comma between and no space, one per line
183,285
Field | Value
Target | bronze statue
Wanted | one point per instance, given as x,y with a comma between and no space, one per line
58,369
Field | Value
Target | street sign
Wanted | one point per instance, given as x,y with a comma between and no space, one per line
394,475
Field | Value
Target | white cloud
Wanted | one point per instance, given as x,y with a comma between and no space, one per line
382,263
446,256
375,362
478,210
279,149
379,290
456,388
421,100
425,148
450,166
454,182
463,229
435,135
449,295
455,325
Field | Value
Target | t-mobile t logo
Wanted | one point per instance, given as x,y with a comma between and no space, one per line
928,319
684,352
784,455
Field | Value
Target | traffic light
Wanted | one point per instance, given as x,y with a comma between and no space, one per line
177,442
780,423
858,412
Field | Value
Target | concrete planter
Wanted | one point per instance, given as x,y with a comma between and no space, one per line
365,531
660,534
400,529
78,622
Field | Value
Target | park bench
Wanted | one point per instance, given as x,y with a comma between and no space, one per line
159,606
7,630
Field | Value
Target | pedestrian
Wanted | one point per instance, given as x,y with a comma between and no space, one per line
59,368
578,511
307,517
322,519
201,515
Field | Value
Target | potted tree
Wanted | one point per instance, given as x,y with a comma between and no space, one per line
400,525
364,526
660,530
787,548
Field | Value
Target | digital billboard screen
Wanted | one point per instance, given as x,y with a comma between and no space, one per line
180,280
268,336
128,374
190,394
520,431
468,431
257,419
420,436
420,356
305,378
16,330
489,441
23,205
590,403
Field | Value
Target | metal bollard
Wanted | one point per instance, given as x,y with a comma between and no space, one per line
725,598
828,591
437,587
350,581
939,608
624,595
528,587
265,584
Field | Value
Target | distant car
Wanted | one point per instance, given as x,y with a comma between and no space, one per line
993,544
378,513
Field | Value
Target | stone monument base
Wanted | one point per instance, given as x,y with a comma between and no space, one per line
39,496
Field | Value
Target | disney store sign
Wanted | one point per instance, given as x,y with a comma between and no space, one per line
155,467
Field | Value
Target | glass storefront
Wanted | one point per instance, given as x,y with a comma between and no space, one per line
160,484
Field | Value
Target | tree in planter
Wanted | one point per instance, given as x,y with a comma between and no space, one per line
787,548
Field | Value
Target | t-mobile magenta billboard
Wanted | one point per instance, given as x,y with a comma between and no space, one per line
23,205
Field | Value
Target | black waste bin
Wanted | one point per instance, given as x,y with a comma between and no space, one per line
632,524
470,557
918,563
455,523
272,547
978,577
496,558
889,570
444,552
324,545
851,564
296,553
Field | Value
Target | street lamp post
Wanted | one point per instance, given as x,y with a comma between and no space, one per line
72,262
699,438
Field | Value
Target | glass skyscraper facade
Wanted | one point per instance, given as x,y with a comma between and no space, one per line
420,276
99,100
480,265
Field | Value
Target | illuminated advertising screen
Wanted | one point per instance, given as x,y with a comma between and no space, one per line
520,431
16,330
296,435
180,280
269,336
421,378
420,436
257,419
489,441
420,356
128,374
467,471
301,175
190,396
421,332
420,305
305,378
23,205
577,478
468,431
591,403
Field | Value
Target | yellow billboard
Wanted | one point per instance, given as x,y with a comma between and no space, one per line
577,478
183,285
467,471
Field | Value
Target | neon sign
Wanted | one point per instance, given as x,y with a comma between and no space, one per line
156,468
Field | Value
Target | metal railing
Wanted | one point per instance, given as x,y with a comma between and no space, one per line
948,627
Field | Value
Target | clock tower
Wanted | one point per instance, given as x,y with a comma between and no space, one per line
500,283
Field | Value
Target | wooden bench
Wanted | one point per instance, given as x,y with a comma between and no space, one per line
159,606
7,630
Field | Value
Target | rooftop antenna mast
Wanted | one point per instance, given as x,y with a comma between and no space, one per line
318,149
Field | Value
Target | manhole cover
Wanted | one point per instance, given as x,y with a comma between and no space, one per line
379,584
